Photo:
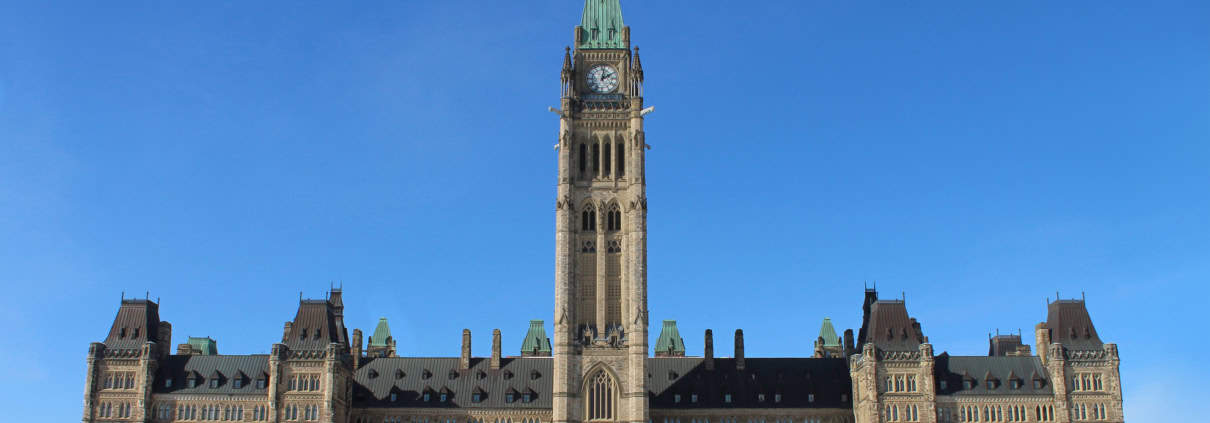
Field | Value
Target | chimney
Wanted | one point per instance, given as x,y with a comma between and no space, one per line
356,349
1042,332
184,349
285,335
465,363
495,349
849,348
709,351
739,349
164,337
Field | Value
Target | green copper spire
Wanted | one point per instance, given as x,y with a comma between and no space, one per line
381,333
828,333
601,26
536,343
206,346
670,343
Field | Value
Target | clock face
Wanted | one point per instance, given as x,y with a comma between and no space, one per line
602,79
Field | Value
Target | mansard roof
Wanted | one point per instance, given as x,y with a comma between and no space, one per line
137,322
226,368
536,342
828,333
382,333
670,342
798,380
206,345
314,327
890,327
953,369
1070,325
516,374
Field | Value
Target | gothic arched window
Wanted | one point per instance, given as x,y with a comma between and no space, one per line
602,396
583,153
588,219
596,159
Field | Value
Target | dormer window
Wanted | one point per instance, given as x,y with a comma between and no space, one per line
135,334
527,397
811,398
760,397
394,397
372,374
122,333
509,397
942,384
1038,383
477,397
508,374
889,334
1014,384
844,397
777,398
444,396
481,375
303,335
672,375
213,383
318,332
676,398
426,374
399,374
261,382
534,375
427,396
237,383
693,398
168,383
992,384
453,374
968,384
727,398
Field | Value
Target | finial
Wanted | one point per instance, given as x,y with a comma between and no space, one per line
1081,295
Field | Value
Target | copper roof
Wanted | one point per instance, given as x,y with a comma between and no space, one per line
1070,325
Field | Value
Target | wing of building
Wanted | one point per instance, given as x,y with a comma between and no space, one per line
597,367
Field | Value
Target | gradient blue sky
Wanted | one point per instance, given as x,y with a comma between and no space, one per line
978,156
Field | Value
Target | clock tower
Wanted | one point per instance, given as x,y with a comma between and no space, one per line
600,345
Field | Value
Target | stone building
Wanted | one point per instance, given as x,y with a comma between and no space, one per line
597,368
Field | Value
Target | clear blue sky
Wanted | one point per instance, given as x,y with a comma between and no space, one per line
978,156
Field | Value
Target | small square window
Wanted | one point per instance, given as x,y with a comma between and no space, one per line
509,397
213,383
776,397
968,384
477,397
168,383
727,398
676,398
394,397
693,398
444,397
427,397
811,398
237,383
760,397
942,384
526,397
260,384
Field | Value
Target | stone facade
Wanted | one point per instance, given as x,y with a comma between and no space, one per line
597,369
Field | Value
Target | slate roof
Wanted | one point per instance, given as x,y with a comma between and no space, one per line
1071,325
137,322
796,379
954,369
314,327
890,327
180,367
1003,344
410,377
